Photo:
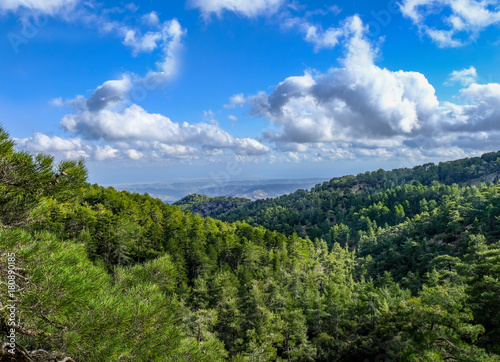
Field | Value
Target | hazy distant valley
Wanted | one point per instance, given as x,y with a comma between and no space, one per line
249,189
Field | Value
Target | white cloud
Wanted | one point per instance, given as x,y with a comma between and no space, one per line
56,102
149,35
176,151
323,39
134,154
104,153
167,38
314,33
151,19
249,8
359,100
112,127
248,146
332,152
238,100
444,38
464,19
172,34
135,124
111,93
209,116
482,112
331,9
72,148
145,43
109,121
374,112
116,93
293,147
44,6
145,150
465,77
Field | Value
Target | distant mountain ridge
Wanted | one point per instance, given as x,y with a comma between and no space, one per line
249,189
314,212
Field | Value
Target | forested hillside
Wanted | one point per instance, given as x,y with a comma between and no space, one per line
208,206
379,199
405,268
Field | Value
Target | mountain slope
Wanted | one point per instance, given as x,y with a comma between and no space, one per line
345,199
102,275
208,206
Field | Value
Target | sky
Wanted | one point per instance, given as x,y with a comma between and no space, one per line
152,91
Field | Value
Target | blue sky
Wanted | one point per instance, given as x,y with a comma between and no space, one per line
151,91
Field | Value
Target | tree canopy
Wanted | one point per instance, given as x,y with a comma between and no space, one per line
399,266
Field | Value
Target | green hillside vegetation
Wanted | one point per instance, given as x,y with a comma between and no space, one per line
208,206
113,276
382,195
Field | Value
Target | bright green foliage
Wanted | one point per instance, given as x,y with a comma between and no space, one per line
438,325
24,179
208,206
73,307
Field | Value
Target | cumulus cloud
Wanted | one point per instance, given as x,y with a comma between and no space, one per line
172,34
43,6
145,43
148,35
359,100
322,39
314,33
464,19
167,37
481,114
56,102
238,100
115,93
112,93
151,40
113,127
107,125
465,77
147,150
76,148
135,124
104,153
249,8
151,19
162,150
72,148
376,112
134,154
